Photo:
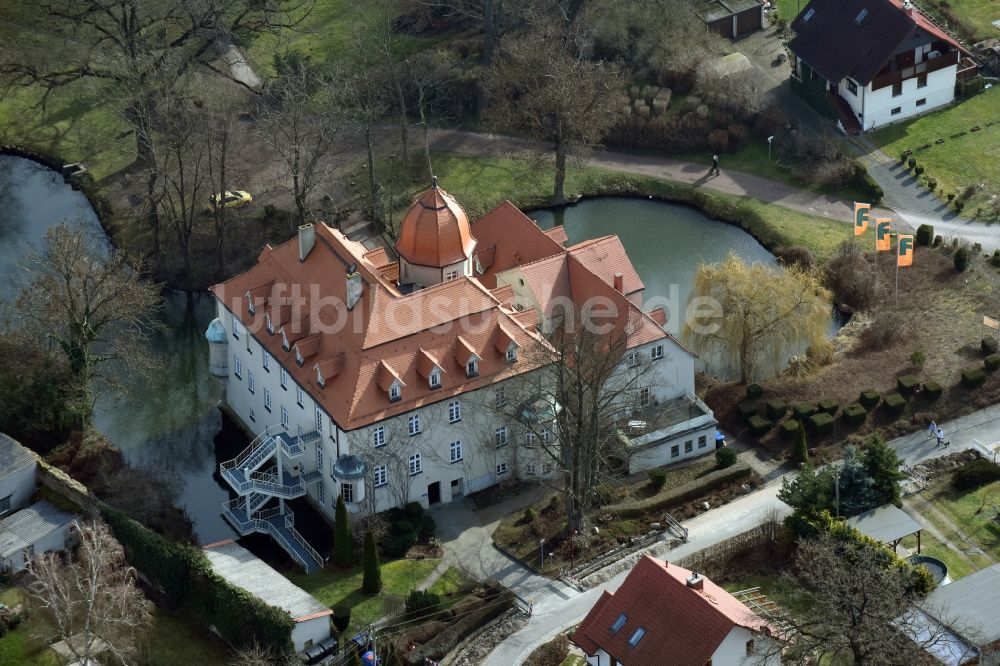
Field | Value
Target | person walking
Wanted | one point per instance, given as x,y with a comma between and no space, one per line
932,430
714,171
940,437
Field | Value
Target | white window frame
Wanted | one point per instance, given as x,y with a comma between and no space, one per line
267,399
454,411
656,353
378,436
547,468
318,418
300,397
319,456
236,328
253,417
394,393
511,353
250,381
546,435
502,469
529,469
284,416
500,396
347,492
237,367
632,359
265,360
415,464
500,436
644,396
450,275
434,379
380,476
283,379
472,368
322,493
455,451
529,438
413,424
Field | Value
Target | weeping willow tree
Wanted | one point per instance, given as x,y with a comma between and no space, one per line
750,315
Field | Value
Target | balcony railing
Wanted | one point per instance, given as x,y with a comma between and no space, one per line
887,79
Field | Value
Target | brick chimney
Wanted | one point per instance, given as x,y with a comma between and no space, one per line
696,581
619,283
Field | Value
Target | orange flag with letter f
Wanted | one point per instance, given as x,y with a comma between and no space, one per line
905,247
861,217
883,239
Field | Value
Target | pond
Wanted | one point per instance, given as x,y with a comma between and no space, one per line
168,423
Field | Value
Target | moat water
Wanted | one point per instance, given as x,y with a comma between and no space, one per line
169,422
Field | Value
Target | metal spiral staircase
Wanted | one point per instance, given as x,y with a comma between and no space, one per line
258,475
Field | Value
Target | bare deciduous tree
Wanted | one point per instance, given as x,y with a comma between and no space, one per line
93,308
554,93
92,602
753,314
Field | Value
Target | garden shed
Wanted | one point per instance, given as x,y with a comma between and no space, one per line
733,18
888,524
32,531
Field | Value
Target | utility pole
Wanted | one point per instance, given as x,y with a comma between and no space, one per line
541,546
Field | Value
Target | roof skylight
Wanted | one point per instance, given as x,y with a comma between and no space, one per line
861,16
619,623
636,636
809,14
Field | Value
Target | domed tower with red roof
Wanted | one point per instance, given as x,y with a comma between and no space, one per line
435,241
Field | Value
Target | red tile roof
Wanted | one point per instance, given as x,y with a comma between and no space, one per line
684,626
606,256
435,231
494,234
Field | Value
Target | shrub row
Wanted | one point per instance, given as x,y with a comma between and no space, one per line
688,491
991,362
186,577
869,399
973,377
893,403
775,409
821,423
974,474
759,425
907,384
855,414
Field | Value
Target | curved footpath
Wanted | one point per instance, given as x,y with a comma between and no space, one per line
557,608
906,200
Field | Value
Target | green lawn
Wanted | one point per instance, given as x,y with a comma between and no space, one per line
782,591
789,9
958,566
959,162
574,660
480,183
451,582
975,15
334,586
972,513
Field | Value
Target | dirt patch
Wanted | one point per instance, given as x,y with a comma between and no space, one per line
937,466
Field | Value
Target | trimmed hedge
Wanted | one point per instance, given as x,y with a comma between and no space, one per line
992,362
688,491
931,391
869,399
186,577
974,474
746,409
803,410
828,406
759,425
988,345
789,427
855,414
821,424
893,403
907,384
754,391
775,409
925,233
973,378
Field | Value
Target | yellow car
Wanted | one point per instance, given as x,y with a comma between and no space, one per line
230,199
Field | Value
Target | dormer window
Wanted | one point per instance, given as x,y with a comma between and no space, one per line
395,393
319,378
472,367
250,307
298,357
435,379
284,341
511,353
268,324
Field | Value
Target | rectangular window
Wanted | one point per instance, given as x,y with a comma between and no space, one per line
416,465
702,442
547,468
5,505
250,384
378,436
237,367
472,368
267,399
897,89
454,411
529,469
500,396
644,396
265,359
284,416
657,352
380,476
921,102
435,379
897,110
921,80
852,87
253,417
529,439
284,379
502,468
414,424
236,328
632,359
347,491
675,450
394,393
298,397
511,354
318,418
450,275
249,351
546,435
319,456
455,451
500,436
322,494
689,446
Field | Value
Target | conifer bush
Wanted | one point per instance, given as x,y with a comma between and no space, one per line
343,544
371,583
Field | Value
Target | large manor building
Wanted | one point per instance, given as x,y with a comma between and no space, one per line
388,380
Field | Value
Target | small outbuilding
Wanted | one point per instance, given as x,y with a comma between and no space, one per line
732,18
17,475
248,572
888,524
38,529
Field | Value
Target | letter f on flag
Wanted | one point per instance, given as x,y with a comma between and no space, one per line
883,239
905,246
861,218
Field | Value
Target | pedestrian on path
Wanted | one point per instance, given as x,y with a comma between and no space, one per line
940,437
714,171
932,430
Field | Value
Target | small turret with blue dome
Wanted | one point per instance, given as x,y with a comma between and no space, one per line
218,348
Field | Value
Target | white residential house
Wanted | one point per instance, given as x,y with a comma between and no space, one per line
874,62
18,467
385,381
666,614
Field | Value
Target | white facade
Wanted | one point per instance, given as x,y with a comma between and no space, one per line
306,633
740,647
16,489
429,275
52,542
875,108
